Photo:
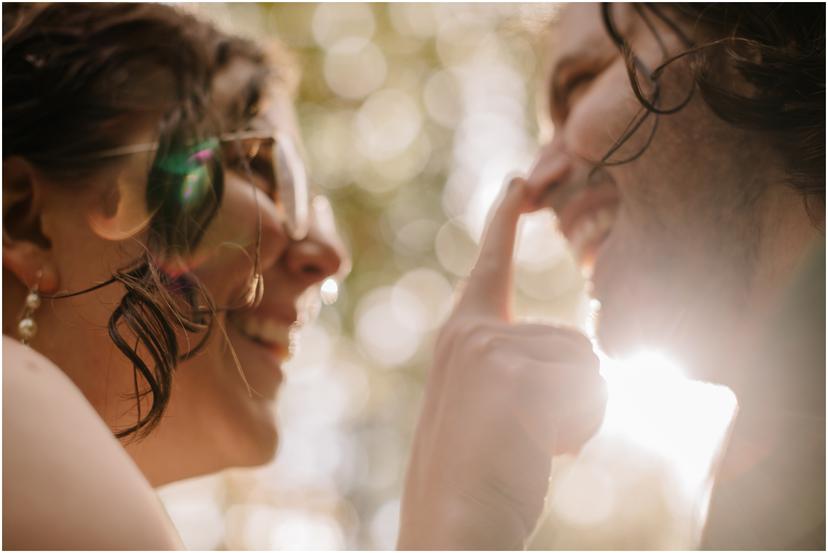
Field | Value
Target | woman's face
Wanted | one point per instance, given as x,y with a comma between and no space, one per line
224,398
221,409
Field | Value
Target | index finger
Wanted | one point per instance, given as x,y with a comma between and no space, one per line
488,289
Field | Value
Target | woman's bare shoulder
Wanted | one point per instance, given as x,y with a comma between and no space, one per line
67,482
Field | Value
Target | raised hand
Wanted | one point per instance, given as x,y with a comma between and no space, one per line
501,399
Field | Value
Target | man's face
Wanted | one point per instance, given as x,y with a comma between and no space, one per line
670,237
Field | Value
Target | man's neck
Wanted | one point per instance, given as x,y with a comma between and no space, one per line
787,232
786,240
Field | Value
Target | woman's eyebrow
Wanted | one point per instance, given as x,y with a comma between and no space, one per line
252,94
246,101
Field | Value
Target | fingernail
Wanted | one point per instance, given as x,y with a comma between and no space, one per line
517,182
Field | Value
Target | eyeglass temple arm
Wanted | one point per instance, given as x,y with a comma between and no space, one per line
153,146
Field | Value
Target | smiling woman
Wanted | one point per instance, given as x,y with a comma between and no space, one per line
161,245
158,238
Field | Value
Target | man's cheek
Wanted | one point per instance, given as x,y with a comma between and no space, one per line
602,116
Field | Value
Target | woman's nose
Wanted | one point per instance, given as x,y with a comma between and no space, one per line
321,253
313,259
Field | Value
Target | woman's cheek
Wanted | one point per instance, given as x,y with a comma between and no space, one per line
228,246
236,223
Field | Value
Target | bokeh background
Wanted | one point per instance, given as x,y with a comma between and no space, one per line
413,116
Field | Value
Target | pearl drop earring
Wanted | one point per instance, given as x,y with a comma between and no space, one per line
27,327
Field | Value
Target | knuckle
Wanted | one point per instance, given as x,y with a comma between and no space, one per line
470,339
456,331
586,425
563,381
503,371
474,335
578,352
573,335
447,336
590,364
514,371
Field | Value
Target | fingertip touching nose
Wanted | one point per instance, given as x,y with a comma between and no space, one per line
552,164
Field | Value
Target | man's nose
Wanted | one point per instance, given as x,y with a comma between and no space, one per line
552,165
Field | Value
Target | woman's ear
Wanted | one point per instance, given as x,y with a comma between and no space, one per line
27,251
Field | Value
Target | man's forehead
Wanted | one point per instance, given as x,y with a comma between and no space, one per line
580,29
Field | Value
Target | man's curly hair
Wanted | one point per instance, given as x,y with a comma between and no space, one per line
777,48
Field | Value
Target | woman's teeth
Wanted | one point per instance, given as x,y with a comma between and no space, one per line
267,331
590,230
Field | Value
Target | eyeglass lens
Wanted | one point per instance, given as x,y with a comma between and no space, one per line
292,186
287,179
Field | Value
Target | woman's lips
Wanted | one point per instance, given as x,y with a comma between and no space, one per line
259,364
270,332
266,331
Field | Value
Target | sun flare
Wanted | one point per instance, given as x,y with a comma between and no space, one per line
653,403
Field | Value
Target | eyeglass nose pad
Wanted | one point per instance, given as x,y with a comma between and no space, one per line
297,229
252,149
296,232
324,223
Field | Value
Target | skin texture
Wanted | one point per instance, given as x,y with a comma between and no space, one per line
44,413
686,262
690,259
501,399
706,235
213,420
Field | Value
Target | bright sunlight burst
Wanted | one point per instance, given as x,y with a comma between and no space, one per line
654,404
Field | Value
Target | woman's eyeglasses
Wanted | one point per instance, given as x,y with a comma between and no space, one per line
262,156
274,159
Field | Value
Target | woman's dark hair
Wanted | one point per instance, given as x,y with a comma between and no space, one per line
74,76
777,48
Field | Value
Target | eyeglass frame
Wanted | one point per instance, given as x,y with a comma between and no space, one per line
297,224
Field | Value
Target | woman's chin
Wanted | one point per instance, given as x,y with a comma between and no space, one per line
263,451
260,364
251,385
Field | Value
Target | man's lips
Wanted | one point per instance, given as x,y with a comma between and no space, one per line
586,215
598,202
588,233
